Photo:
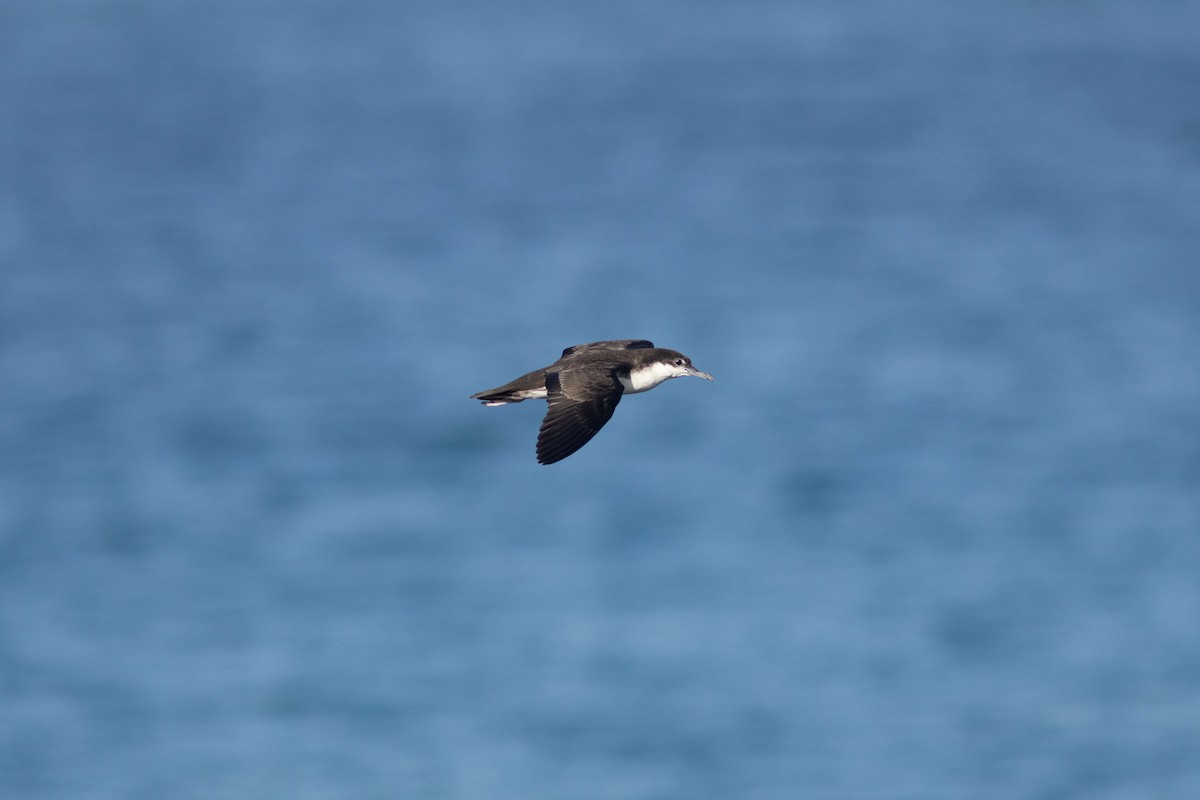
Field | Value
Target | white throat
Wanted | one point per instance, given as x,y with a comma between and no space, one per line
645,378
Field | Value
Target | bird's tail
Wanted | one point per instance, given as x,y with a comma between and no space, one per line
497,397
530,386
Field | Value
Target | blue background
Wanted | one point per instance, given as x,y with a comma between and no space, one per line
932,532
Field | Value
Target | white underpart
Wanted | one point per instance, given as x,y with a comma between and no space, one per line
646,378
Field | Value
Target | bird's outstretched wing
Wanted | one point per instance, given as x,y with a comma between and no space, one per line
579,402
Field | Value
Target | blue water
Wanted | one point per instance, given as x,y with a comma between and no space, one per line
932,532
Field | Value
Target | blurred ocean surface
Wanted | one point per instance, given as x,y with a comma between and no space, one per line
933,532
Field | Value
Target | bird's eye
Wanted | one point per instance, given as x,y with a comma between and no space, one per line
679,362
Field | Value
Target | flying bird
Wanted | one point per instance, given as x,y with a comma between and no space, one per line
583,387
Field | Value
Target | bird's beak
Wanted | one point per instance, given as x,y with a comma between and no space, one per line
699,374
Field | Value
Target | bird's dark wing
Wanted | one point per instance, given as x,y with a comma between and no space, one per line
614,344
579,402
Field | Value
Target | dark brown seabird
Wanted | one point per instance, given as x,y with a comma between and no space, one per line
583,387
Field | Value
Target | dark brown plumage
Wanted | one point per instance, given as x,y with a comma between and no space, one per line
583,387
